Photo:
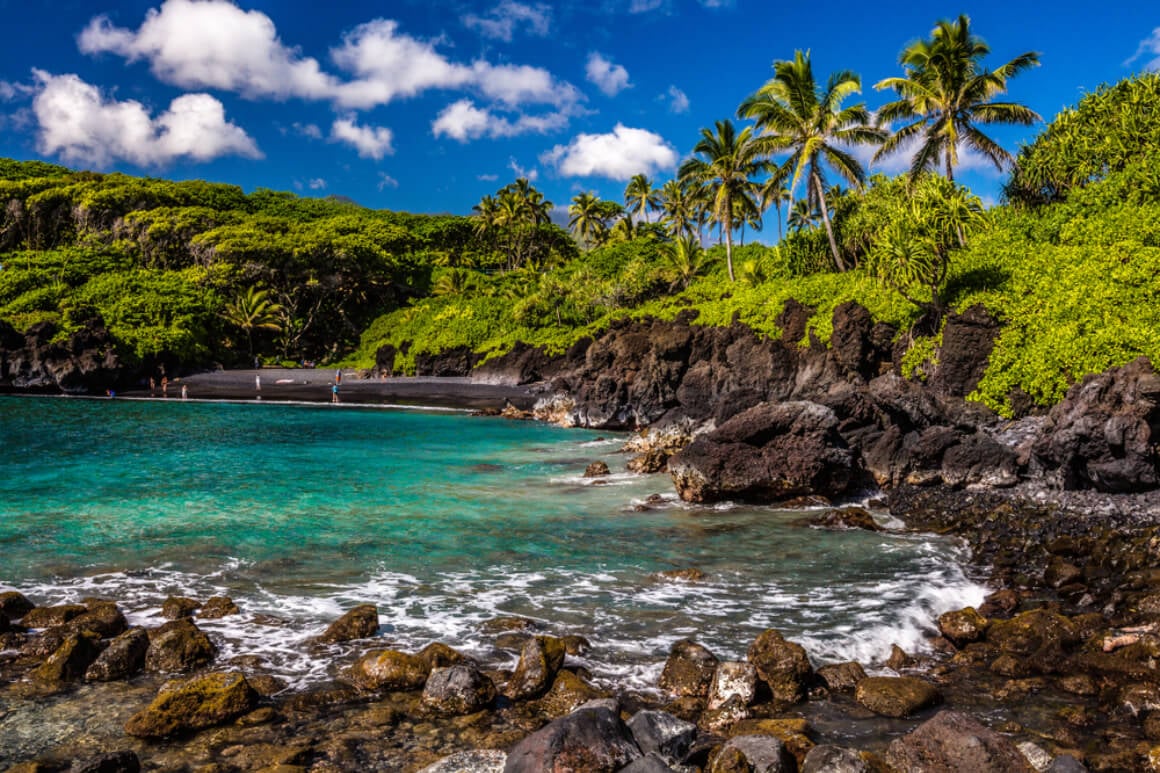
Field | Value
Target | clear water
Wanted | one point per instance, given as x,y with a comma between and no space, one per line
442,520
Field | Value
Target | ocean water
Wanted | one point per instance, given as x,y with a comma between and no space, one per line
444,521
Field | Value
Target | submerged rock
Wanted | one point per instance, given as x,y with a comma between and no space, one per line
362,622
952,742
596,470
480,761
201,702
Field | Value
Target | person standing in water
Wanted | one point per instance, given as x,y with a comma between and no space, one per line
334,392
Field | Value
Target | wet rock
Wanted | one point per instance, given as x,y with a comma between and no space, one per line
963,626
1039,632
5,623
362,622
480,761
724,717
510,623
591,740
752,753
898,659
649,462
650,763
691,574
458,690
1065,763
733,679
390,670
69,661
596,470
179,607
794,733
661,733
782,665
1060,572
953,742
202,702
14,605
896,696
178,647
540,659
111,762
568,692
217,607
124,657
842,677
1001,602
689,670
771,451
439,655
846,518
977,460
1036,756
834,759
48,617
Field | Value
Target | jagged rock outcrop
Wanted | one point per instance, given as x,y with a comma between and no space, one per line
86,362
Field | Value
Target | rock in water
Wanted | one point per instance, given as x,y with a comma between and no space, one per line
757,753
661,733
113,762
689,670
102,617
596,470
781,664
951,741
178,647
124,657
481,761
842,677
733,679
458,690
591,740
834,759
362,622
896,696
390,670
962,626
218,607
69,661
540,659
14,605
178,607
771,451
201,702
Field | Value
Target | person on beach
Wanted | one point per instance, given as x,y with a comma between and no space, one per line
184,392
337,376
165,386
152,387
257,383
334,392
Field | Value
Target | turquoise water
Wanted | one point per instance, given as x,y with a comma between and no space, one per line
442,520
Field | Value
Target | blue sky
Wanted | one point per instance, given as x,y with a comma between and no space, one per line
427,106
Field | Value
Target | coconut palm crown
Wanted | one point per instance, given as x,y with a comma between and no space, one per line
946,93
796,114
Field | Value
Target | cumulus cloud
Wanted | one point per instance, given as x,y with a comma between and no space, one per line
1149,51
464,121
500,23
617,155
77,123
608,77
307,130
370,141
9,91
678,100
317,184
519,171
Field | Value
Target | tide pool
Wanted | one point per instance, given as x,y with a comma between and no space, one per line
442,520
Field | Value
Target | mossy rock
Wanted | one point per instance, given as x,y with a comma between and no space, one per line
782,665
202,702
362,622
896,696
390,670
963,626
178,647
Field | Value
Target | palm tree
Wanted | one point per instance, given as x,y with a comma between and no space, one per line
640,197
586,218
725,162
774,192
802,216
687,259
945,93
253,310
678,207
795,114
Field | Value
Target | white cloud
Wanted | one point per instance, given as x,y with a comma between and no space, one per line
463,121
678,100
608,77
386,181
317,184
618,155
644,6
78,124
370,141
9,91
519,171
487,178
501,22
1149,50
308,130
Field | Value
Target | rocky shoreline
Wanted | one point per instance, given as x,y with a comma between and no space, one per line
1059,669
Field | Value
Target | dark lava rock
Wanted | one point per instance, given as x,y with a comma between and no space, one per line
179,607
650,763
978,460
745,753
967,341
569,691
1103,434
124,657
70,660
111,762
782,665
846,518
834,759
14,605
896,696
963,626
596,470
458,690
204,701
592,740
218,607
103,618
771,451
439,655
688,670
953,742
663,734
390,670
178,647
540,658
48,617
362,622
653,460
842,677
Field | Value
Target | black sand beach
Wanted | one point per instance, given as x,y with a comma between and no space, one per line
314,385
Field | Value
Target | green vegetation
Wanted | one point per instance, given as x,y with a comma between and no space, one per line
196,273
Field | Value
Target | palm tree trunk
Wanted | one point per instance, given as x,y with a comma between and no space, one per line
838,262
950,167
727,227
777,206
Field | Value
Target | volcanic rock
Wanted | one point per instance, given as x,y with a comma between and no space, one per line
593,740
952,742
362,622
689,669
124,657
458,690
783,665
201,702
896,696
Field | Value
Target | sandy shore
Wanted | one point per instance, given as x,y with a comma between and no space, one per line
314,385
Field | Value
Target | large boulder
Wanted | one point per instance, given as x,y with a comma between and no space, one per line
458,690
390,670
178,647
752,754
69,661
593,740
103,618
1103,434
896,696
663,734
124,657
204,701
362,622
540,658
689,670
967,341
834,759
568,692
952,742
962,626
50,617
733,679
783,665
15,605
771,451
